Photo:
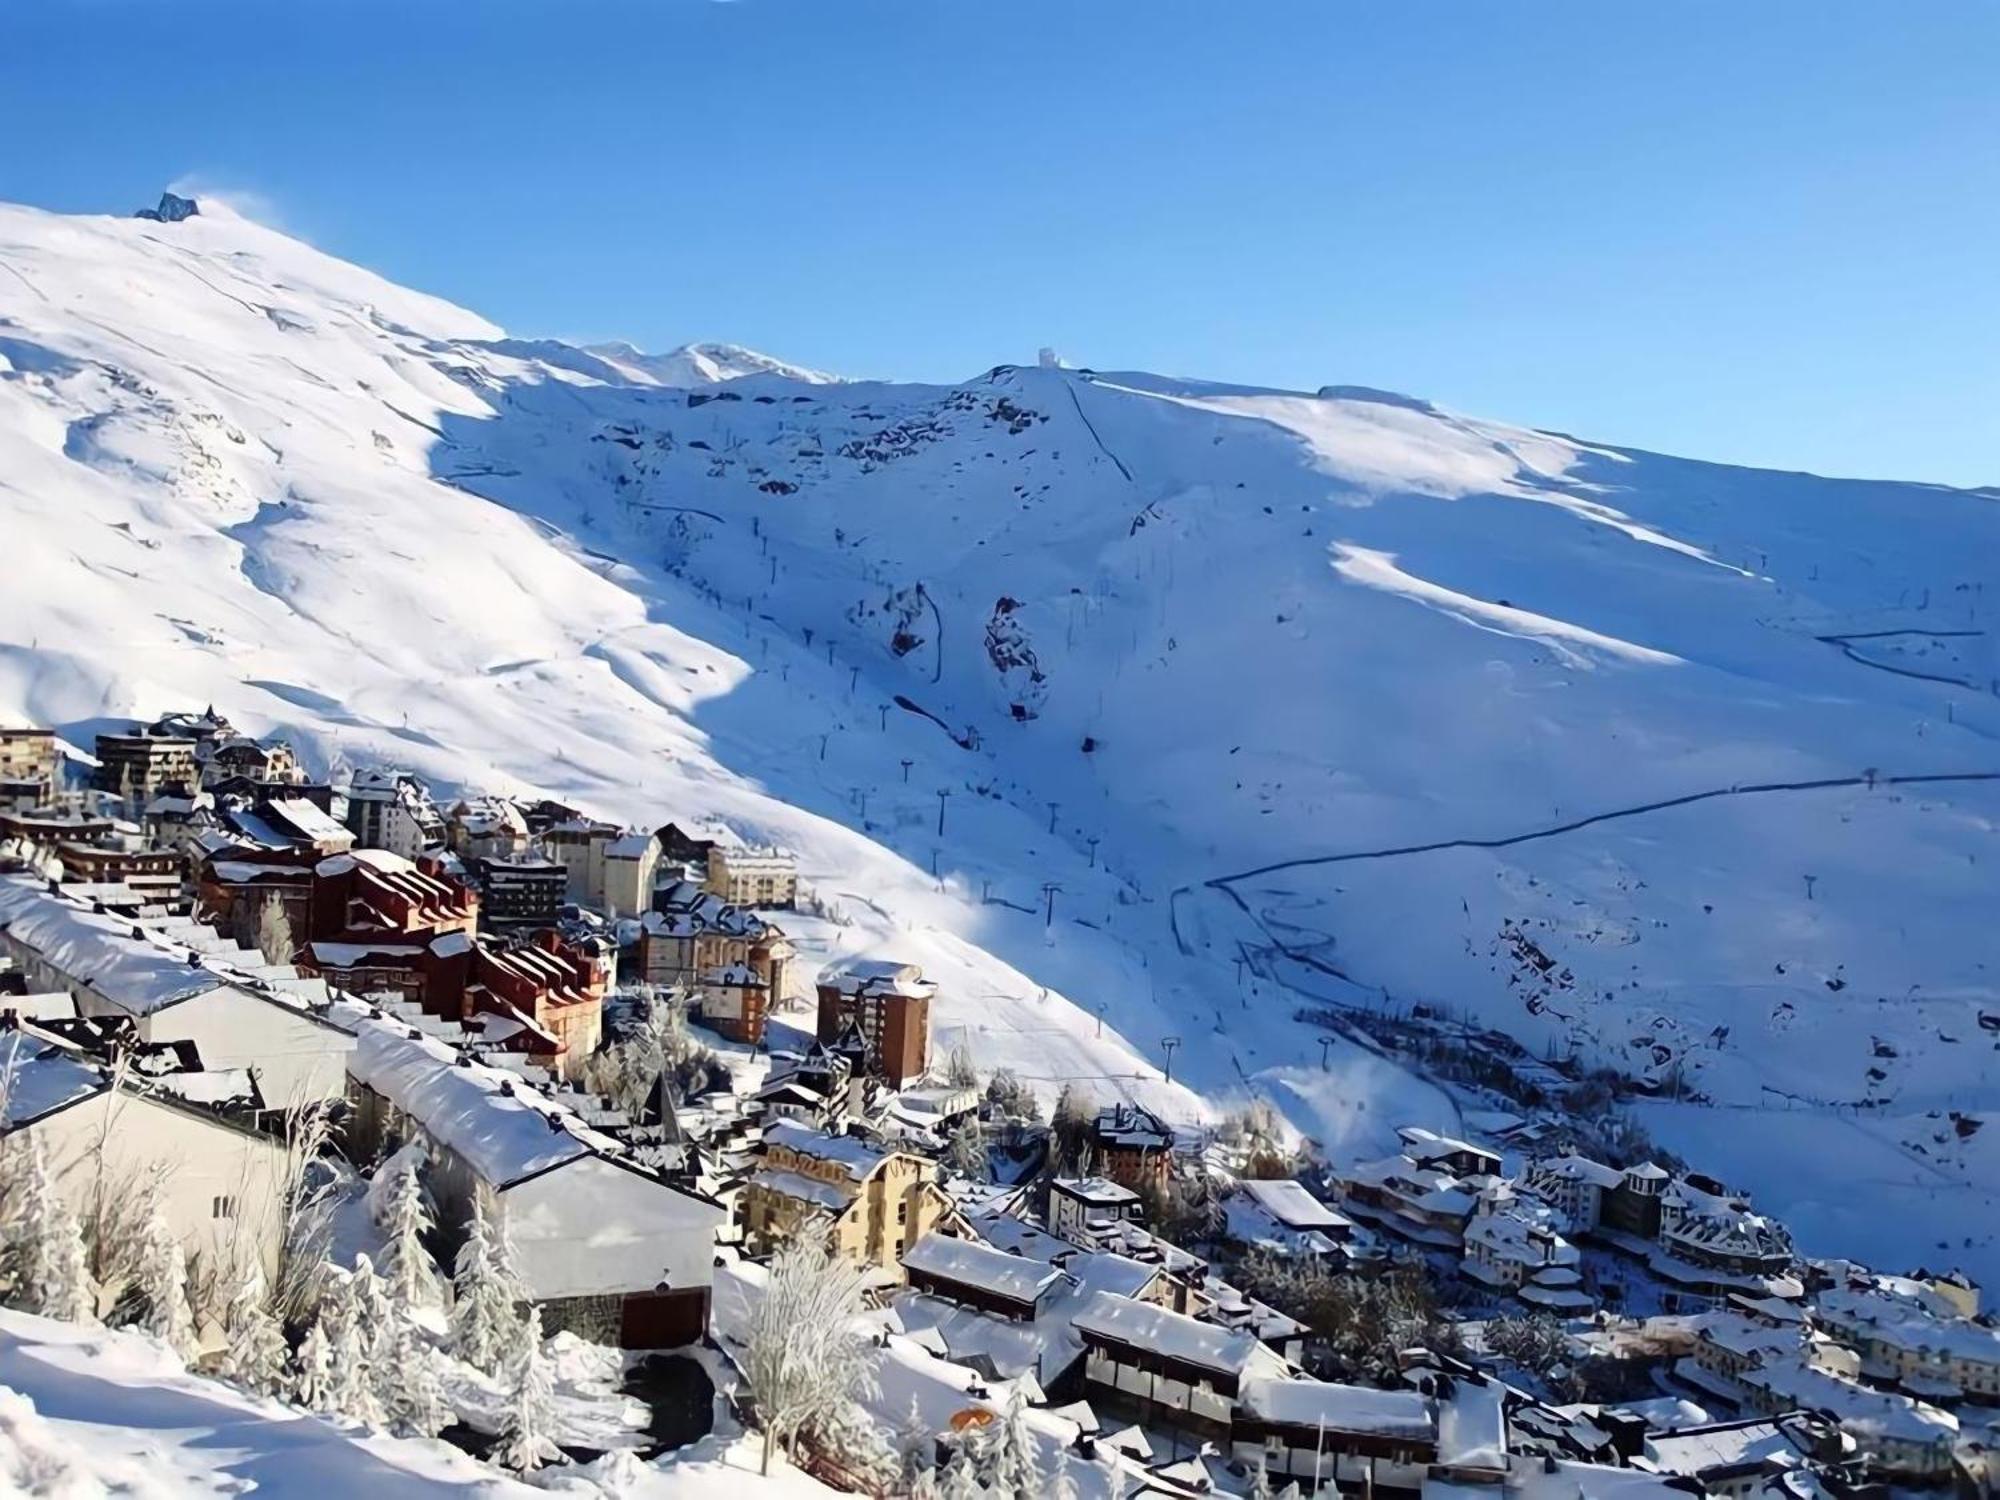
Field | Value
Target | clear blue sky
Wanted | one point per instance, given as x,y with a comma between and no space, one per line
1759,230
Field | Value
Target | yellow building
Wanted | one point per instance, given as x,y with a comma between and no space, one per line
875,1203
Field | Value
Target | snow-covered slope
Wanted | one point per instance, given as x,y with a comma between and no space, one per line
1202,658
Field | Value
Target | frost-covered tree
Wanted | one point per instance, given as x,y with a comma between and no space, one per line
1291,1492
42,1258
960,1480
163,1285
528,1439
1006,1092
352,1389
71,1295
255,1356
274,931
1260,1482
487,1292
418,1407
806,1364
408,1273
965,1149
312,1369
1010,1465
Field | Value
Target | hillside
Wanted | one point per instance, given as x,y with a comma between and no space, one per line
1203,658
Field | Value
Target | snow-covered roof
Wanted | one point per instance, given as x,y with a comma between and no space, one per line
1291,1205
1906,1324
815,1190
856,1157
496,1122
135,974
1141,1325
1341,1408
1099,1192
971,1264
1472,1427
38,1078
850,976
308,819
629,846
1721,1445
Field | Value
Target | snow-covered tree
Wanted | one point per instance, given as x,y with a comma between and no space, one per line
418,1407
408,1272
806,1364
484,1320
42,1258
1009,1462
960,1479
1260,1481
351,1391
274,931
965,1149
71,1294
1290,1492
255,1357
312,1369
528,1439
163,1284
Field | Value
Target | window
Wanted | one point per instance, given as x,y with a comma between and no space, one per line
222,1206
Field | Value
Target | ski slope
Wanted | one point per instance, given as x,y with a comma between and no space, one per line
1191,665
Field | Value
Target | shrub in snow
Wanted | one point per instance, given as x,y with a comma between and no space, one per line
255,1357
164,1289
808,1368
527,1441
409,1274
486,1294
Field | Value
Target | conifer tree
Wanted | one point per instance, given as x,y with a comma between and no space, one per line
527,1441
409,1274
487,1293
1012,1467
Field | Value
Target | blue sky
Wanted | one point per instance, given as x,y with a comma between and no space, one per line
1763,232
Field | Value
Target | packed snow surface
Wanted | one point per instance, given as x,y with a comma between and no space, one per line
1209,705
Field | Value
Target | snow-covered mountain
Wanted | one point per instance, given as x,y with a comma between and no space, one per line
701,364
1231,703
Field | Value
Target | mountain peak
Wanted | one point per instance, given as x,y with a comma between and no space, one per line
705,363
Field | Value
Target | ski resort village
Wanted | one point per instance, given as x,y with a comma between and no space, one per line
485,1120
592,923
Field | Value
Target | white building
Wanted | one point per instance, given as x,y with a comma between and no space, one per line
392,809
631,861
119,1149
1086,1210
611,1251
180,981
754,877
